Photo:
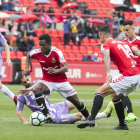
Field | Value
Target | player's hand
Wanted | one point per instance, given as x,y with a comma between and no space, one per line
8,63
26,123
26,72
108,79
99,45
24,91
52,70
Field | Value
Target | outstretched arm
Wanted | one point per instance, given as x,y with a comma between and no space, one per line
107,62
135,51
22,117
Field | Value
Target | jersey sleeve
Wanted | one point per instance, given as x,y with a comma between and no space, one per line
2,39
34,53
61,57
20,103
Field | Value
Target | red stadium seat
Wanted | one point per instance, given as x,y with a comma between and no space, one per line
101,57
61,47
100,13
89,48
3,54
92,42
62,41
68,48
56,41
39,32
79,12
26,3
127,14
13,55
133,15
11,39
66,56
36,40
55,4
37,45
83,49
61,33
85,42
19,54
96,49
110,6
96,6
79,56
75,49
46,31
103,6
106,13
72,56
90,5
54,33
98,41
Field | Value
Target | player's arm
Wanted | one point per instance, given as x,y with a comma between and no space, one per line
22,117
135,51
107,62
8,61
63,69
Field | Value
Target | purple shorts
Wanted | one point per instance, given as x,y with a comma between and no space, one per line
0,65
62,115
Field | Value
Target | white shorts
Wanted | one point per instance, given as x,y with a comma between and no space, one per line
64,88
125,84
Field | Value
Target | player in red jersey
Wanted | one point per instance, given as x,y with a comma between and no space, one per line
129,79
53,66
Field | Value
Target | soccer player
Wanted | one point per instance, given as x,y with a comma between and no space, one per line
120,53
53,67
59,111
3,88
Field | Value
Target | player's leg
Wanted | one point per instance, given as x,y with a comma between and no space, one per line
128,106
7,92
39,89
70,106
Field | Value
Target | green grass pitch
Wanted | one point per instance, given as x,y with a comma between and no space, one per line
11,128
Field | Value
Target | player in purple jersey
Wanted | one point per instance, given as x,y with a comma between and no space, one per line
59,111
3,88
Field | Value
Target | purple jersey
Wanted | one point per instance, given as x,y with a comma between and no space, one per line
2,39
58,110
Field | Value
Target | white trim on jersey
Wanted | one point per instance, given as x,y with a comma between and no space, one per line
137,37
34,52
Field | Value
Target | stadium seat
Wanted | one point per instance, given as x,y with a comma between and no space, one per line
127,14
92,42
56,41
72,56
62,41
20,3
66,56
26,3
98,41
133,15
68,48
101,57
3,54
55,4
75,49
37,45
36,40
90,6
79,56
85,41
96,6
96,49
61,33
110,6
61,47
19,54
39,32
83,49
11,39
90,48
79,12
47,31
13,55
54,33
106,13
103,6
100,13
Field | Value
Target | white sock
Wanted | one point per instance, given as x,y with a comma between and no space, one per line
6,91
100,115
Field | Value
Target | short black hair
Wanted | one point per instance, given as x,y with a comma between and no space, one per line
20,76
128,22
45,37
105,29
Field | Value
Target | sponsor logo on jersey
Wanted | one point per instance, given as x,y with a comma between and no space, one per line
41,61
53,60
71,117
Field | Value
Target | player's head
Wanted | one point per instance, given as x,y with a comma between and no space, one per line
25,80
45,43
128,29
104,33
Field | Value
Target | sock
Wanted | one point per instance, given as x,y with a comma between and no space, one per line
120,112
83,110
96,106
100,115
41,103
83,118
127,104
6,91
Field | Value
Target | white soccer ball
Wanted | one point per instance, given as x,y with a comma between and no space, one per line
37,118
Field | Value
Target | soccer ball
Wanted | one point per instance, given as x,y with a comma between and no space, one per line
37,118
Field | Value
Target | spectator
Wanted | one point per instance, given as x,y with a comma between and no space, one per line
13,45
68,11
3,24
4,6
73,31
13,27
60,2
21,28
79,30
95,57
49,19
20,43
121,17
30,43
28,10
121,36
67,31
63,16
42,10
30,29
87,57
130,5
86,12
138,1
36,10
11,5
88,31
95,28
74,14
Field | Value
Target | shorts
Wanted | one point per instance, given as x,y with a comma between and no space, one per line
0,65
62,115
64,88
125,84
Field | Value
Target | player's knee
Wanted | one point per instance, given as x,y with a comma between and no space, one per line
37,89
114,97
